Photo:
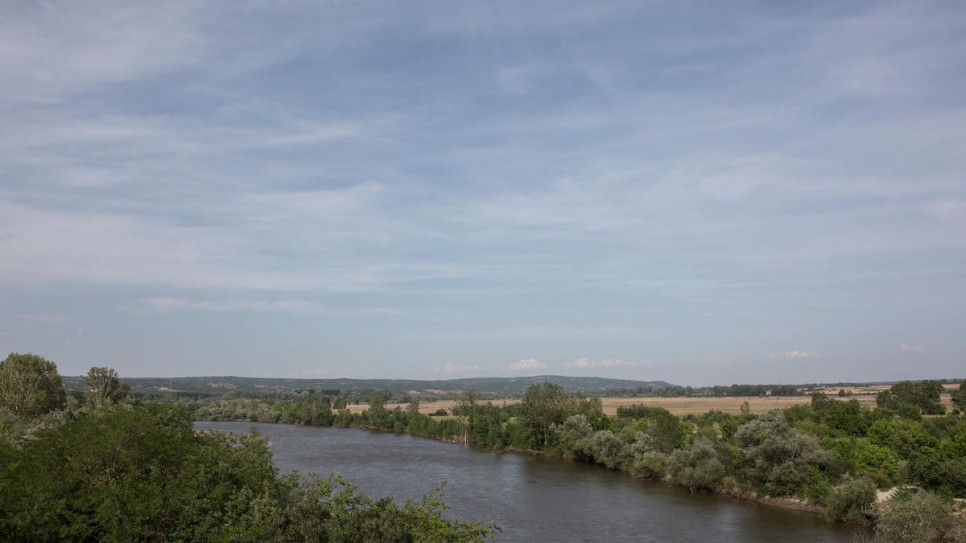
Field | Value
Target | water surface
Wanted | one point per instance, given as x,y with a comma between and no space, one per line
533,499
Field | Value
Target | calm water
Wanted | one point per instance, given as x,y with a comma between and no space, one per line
532,499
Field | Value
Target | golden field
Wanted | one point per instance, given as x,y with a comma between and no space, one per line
690,405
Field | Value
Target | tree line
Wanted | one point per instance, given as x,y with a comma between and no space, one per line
831,453
101,466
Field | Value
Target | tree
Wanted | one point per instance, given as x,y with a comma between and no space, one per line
918,517
922,394
698,467
30,385
464,415
959,398
853,500
821,401
547,404
778,457
104,387
139,472
377,409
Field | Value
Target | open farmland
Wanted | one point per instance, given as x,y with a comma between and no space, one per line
678,405
684,405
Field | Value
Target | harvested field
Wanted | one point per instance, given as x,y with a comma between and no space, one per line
685,405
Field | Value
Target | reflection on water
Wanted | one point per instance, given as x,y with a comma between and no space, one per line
532,499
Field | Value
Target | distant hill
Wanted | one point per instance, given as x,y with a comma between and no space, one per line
484,387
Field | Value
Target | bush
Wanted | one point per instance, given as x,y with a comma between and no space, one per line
141,473
651,465
816,486
878,463
698,468
853,500
918,517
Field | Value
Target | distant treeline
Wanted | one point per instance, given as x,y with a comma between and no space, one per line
357,391
732,390
483,387
831,454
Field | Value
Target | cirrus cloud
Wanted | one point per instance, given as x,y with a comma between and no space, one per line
796,354
606,363
164,303
527,364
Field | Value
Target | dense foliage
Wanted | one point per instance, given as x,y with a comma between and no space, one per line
139,460
30,385
832,454
130,471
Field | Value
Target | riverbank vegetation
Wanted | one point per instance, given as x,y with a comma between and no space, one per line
102,467
831,455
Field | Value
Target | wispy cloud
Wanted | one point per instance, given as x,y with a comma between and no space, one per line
51,52
796,354
910,348
661,168
527,364
162,303
605,363
36,317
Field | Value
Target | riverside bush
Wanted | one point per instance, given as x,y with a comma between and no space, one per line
918,517
853,500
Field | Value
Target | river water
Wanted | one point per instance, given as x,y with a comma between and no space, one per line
532,499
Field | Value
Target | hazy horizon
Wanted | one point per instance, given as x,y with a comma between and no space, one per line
697,194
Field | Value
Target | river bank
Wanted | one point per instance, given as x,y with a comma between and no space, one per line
535,497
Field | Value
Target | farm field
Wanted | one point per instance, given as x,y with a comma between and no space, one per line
684,405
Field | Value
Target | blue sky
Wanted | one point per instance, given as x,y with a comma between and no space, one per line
704,193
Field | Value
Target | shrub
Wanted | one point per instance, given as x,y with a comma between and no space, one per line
698,468
651,465
918,517
878,462
853,500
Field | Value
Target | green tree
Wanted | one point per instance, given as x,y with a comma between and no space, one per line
922,394
778,457
30,385
464,411
959,398
853,500
574,436
104,387
413,408
698,467
918,517
668,431
547,404
139,472
377,410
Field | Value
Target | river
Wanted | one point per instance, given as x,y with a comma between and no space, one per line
531,498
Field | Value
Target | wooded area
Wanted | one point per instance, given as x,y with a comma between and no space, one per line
99,465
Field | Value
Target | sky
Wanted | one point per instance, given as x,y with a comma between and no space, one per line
697,192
